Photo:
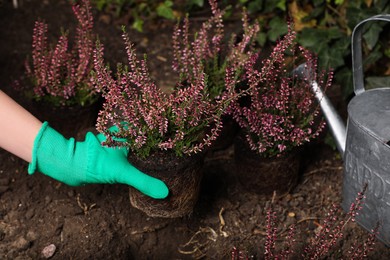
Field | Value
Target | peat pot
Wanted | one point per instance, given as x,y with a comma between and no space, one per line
182,175
265,175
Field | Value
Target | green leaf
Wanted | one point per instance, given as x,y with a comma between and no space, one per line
255,6
316,13
165,10
309,37
261,38
278,27
312,37
357,14
382,5
100,4
331,58
228,12
141,7
281,5
334,33
371,36
270,5
373,56
198,3
343,43
318,2
138,24
387,52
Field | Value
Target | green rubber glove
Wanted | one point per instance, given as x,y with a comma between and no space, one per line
78,163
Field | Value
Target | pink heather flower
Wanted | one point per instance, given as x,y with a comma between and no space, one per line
208,51
271,235
281,147
185,121
189,119
332,231
323,241
60,73
282,112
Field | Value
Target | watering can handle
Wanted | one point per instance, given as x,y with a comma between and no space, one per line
357,62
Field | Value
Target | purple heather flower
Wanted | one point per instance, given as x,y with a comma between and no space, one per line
282,112
60,71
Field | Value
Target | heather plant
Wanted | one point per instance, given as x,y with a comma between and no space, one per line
282,112
184,121
330,232
208,47
60,73
188,119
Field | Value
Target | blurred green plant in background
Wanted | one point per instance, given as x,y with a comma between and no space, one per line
323,27
143,10
326,27
140,10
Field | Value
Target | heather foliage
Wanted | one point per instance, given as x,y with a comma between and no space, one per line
60,74
184,121
148,119
325,240
282,112
332,231
208,47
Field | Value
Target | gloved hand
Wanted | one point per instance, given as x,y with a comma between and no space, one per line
78,163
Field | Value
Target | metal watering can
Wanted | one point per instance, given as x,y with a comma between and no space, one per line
364,143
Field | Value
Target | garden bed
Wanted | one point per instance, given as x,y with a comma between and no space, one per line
97,221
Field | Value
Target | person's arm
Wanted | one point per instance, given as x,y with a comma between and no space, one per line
18,128
73,163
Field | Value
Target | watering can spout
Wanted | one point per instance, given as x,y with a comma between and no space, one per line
333,119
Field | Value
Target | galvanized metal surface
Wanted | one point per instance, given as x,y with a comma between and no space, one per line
367,160
365,143
367,153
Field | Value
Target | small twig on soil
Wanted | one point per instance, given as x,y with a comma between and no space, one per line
196,252
149,229
306,219
273,197
84,206
259,232
161,58
222,223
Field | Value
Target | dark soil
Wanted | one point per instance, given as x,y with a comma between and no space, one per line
98,222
